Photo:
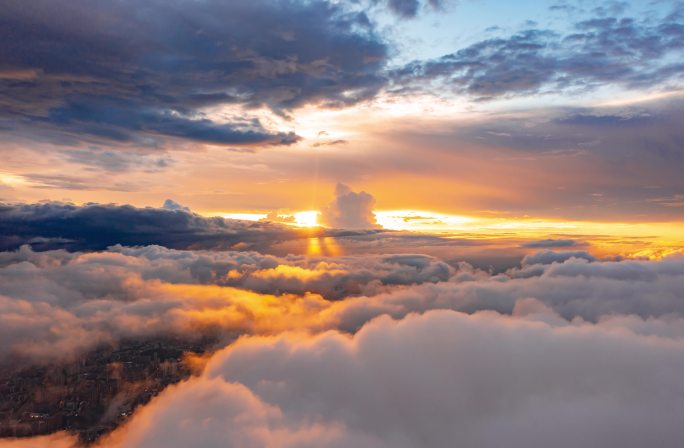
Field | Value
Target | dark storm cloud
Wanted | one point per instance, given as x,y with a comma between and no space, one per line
604,50
134,70
98,226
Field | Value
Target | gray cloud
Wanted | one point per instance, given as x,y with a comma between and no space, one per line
608,163
604,50
140,71
553,243
97,226
548,256
57,304
408,9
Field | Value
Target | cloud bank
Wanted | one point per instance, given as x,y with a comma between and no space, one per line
97,226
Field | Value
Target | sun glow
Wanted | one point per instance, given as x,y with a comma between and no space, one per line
307,218
12,180
421,220
637,239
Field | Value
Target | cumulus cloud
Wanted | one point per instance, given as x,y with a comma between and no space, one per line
350,210
431,380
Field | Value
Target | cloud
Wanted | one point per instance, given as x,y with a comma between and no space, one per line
598,51
55,305
552,243
578,163
430,380
334,278
548,256
56,313
54,225
97,226
387,351
46,226
154,68
350,210
170,204
408,9
404,8
574,289
113,161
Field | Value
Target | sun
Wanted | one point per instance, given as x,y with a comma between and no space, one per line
306,219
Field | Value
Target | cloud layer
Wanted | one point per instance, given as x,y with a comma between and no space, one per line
55,305
378,351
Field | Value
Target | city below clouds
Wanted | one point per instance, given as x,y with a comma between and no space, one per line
313,223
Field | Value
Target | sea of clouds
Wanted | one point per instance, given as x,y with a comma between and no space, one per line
369,350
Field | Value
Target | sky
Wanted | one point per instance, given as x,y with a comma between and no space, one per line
427,220
554,110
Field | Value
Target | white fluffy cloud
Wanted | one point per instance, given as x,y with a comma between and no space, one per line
441,379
